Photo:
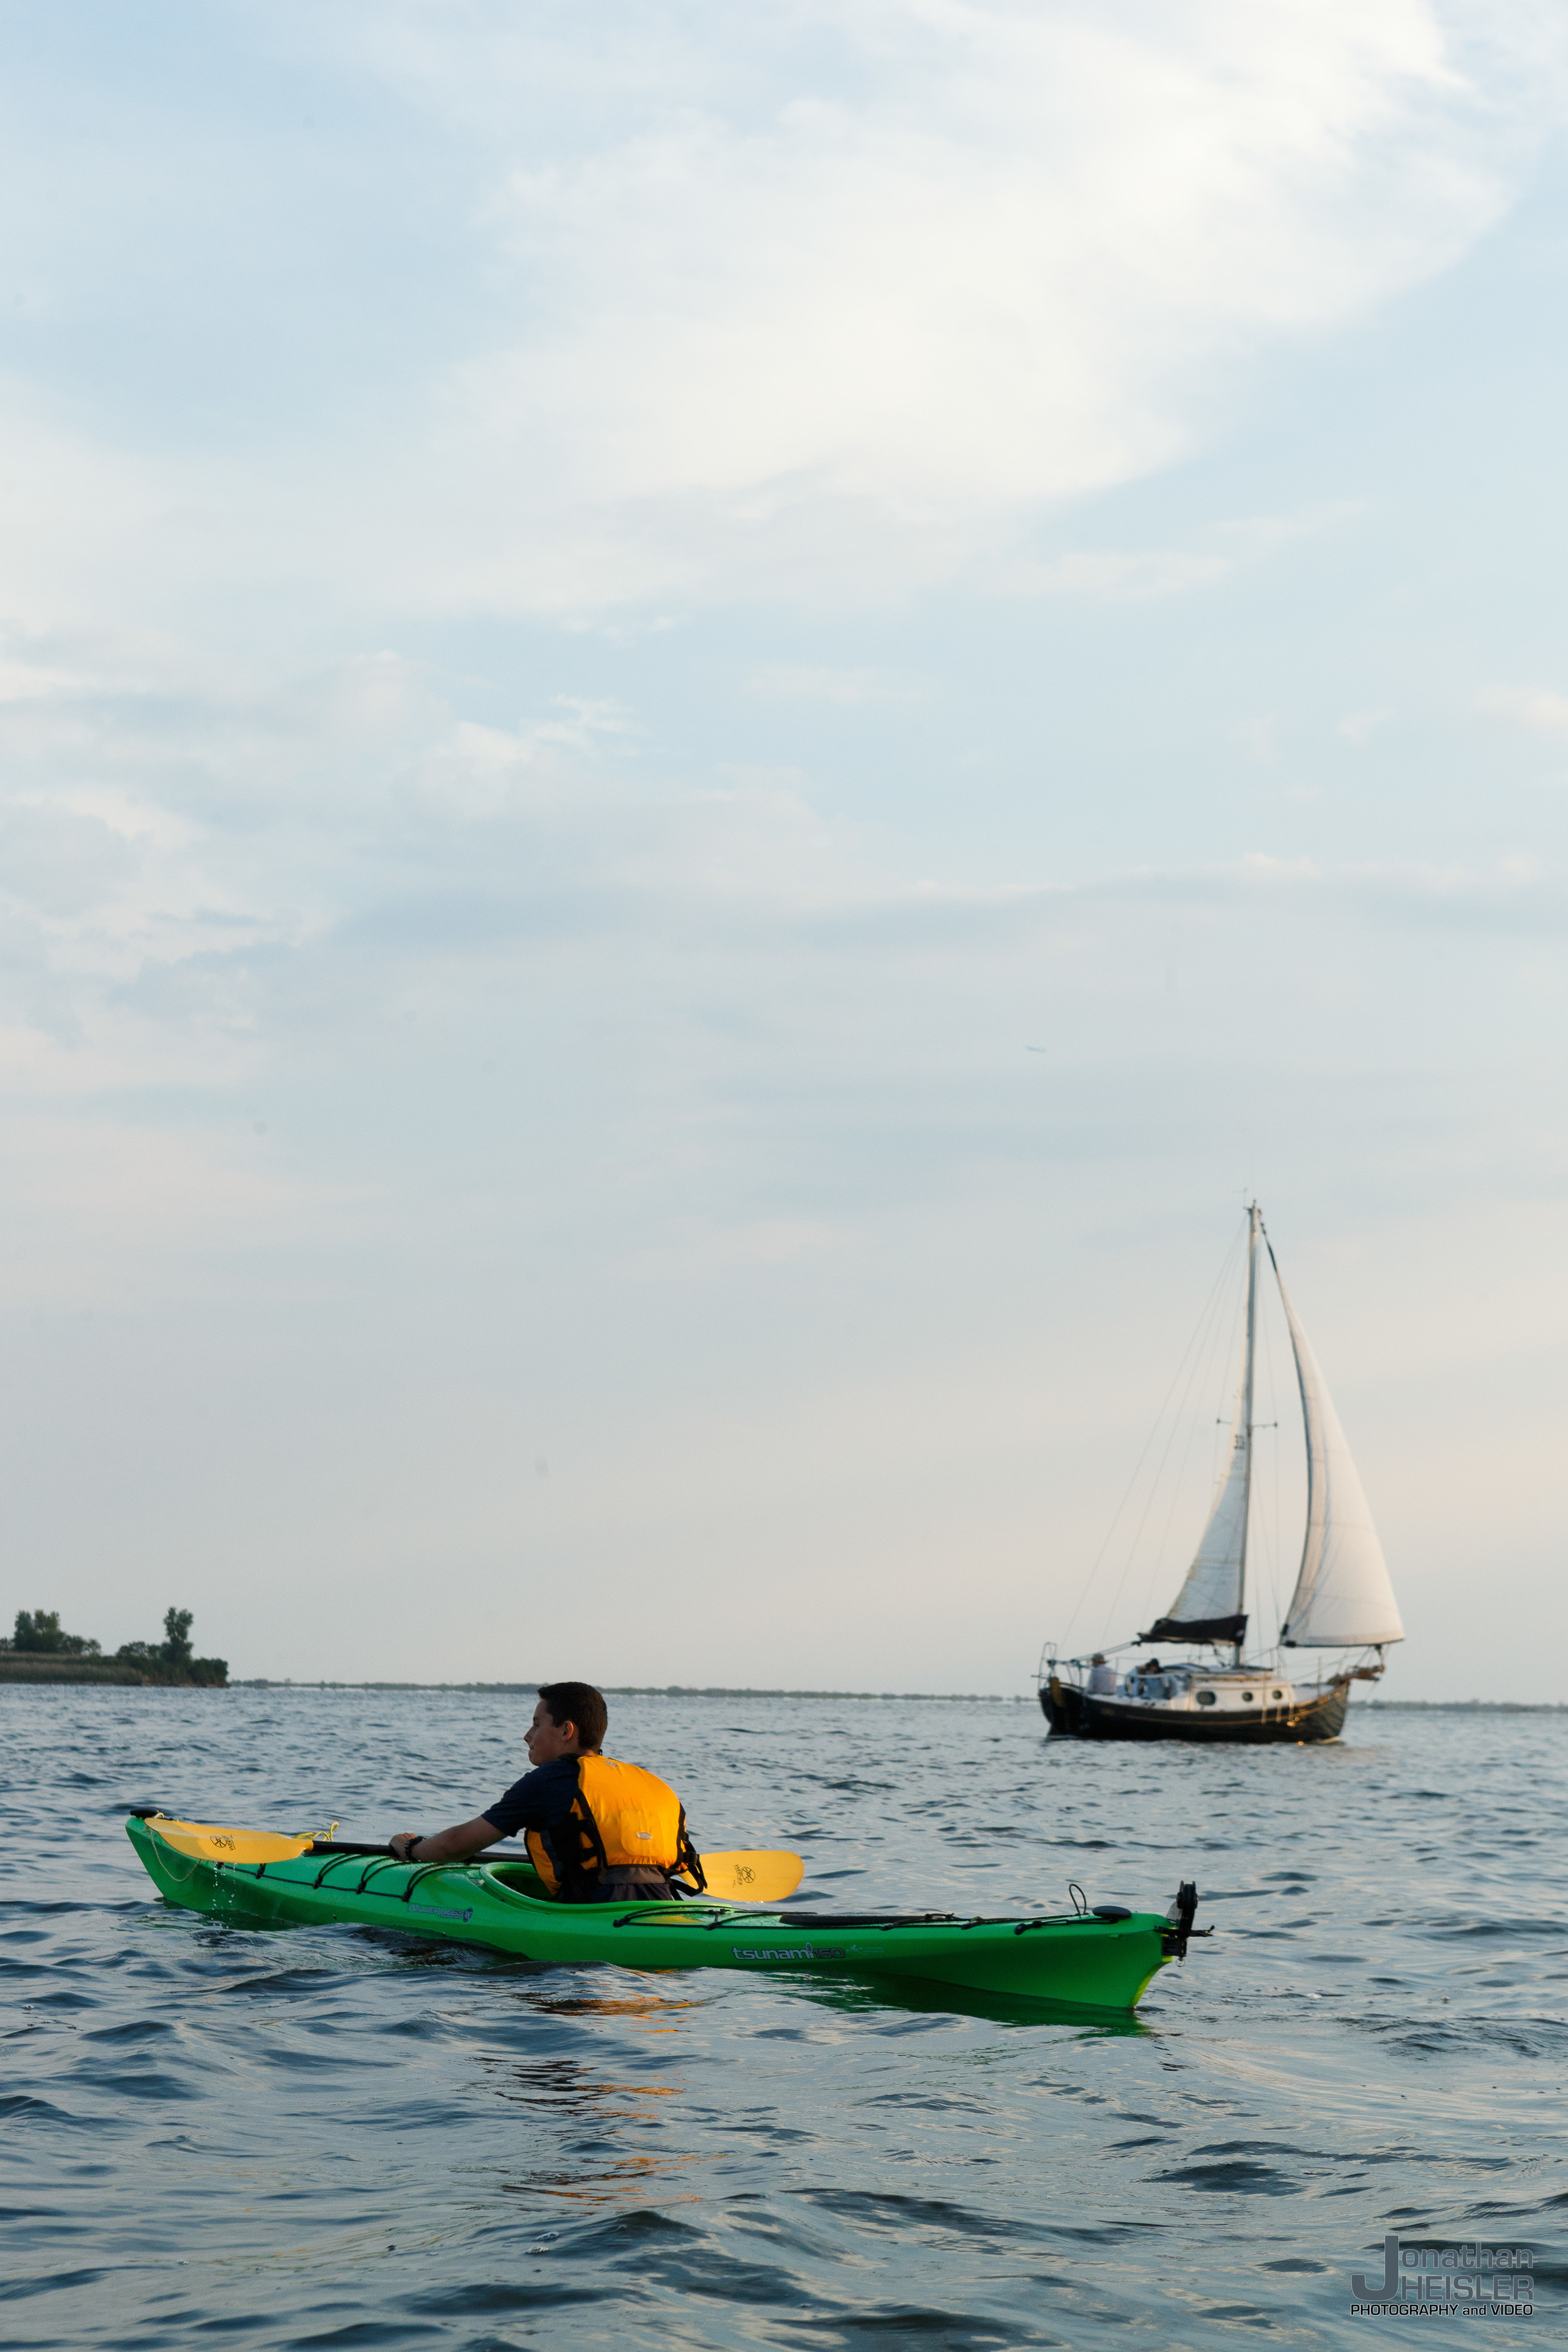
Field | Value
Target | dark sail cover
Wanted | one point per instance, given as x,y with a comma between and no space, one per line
1202,1628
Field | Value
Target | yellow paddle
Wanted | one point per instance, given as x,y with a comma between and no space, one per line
209,1842
752,1877
743,1877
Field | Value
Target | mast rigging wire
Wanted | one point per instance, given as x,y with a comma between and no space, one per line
1218,1462
1198,1335
1200,1361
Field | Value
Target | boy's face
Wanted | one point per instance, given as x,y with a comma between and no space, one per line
546,1741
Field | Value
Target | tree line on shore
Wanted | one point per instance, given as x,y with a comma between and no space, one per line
39,1637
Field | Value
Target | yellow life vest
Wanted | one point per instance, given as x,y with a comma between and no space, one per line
622,1818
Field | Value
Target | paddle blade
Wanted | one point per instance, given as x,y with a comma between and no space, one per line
752,1877
210,1842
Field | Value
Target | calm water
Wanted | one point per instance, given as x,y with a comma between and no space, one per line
352,2138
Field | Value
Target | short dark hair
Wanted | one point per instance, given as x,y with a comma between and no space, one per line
580,1703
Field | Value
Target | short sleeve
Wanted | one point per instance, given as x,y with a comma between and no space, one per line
537,1802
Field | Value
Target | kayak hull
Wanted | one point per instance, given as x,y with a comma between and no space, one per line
1083,1963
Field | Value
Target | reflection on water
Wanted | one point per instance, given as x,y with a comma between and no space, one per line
307,2136
884,1997
589,2138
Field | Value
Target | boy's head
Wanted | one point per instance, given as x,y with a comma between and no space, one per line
571,1719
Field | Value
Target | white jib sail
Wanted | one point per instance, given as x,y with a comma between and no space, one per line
1213,1586
1343,1599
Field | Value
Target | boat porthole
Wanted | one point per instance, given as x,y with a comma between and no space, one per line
1205,1698
1247,1698
1277,1694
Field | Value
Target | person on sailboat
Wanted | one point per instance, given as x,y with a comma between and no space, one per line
1101,1677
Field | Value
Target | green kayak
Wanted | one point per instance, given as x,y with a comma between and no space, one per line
1092,1960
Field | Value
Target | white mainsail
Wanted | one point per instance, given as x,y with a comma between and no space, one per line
1343,1599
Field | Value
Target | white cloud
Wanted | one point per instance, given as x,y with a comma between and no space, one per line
807,303
1002,263
807,682
1114,576
983,281
1121,575
1538,708
220,855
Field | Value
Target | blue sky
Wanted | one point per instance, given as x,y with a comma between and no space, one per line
605,617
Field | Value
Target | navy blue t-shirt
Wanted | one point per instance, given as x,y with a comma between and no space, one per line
541,1800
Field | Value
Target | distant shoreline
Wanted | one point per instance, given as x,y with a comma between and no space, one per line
106,1676
970,1699
655,1690
1468,1705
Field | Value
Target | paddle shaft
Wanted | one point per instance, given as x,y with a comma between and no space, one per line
335,1845
738,1877
745,1877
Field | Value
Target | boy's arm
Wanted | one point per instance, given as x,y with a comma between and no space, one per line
446,1845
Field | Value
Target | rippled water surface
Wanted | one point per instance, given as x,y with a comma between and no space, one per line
351,2137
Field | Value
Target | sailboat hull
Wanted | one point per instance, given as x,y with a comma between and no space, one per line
1074,1713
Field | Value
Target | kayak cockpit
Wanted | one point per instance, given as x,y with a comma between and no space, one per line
516,1878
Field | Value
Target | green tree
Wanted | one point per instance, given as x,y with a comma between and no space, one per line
177,1637
40,1630
170,1660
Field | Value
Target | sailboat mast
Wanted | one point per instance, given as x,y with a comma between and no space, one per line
1254,1220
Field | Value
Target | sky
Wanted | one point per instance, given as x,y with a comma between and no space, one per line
712,725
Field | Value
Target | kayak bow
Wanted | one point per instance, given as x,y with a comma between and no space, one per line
1101,1961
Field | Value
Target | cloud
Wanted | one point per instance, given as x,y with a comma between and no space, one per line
816,303
1538,708
1122,577
803,682
1114,576
993,262
227,872
1359,726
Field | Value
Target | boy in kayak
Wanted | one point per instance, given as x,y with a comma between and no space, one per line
596,1831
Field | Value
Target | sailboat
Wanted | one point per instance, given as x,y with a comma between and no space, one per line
1343,1600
